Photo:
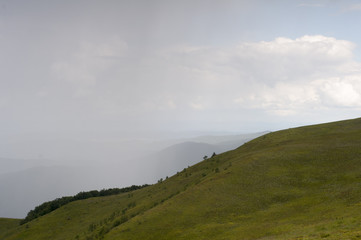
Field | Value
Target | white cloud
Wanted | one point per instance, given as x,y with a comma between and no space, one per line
341,92
286,59
353,7
112,48
197,106
318,46
171,104
311,5
283,112
82,69
79,74
282,76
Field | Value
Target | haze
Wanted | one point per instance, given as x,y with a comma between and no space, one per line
88,89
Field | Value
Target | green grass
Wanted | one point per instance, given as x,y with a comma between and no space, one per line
8,226
301,183
48,207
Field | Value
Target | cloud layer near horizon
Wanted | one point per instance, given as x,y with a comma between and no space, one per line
163,66
279,77
111,81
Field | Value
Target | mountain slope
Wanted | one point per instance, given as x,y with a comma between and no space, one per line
7,225
302,183
176,157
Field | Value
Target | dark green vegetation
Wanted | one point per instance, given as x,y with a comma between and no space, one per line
50,206
302,183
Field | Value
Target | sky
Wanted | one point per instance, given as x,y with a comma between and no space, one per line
120,69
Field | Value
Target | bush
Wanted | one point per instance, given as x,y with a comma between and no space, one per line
50,206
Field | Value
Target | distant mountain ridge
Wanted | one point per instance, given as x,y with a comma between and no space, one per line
224,139
33,181
182,155
178,156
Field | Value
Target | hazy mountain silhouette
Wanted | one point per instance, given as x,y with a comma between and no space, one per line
25,184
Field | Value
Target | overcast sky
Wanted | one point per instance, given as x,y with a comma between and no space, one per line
146,66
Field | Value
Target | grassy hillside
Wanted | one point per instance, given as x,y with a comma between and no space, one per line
302,183
7,225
